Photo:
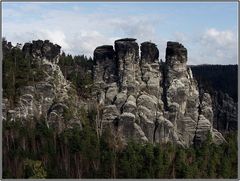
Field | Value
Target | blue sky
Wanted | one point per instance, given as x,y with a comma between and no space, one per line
208,30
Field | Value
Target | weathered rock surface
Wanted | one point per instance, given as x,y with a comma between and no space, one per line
42,49
220,81
137,97
225,112
127,56
6,46
48,99
148,100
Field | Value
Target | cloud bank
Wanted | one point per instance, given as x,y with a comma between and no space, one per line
78,31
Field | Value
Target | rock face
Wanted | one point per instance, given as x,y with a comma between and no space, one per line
42,49
223,93
137,97
148,100
225,112
48,99
6,46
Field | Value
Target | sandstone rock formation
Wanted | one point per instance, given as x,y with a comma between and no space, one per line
148,100
220,81
137,96
42,49
48,99
225,112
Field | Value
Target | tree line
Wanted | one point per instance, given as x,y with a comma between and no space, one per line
32,151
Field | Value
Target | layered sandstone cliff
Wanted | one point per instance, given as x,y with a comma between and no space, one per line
150,100
135,95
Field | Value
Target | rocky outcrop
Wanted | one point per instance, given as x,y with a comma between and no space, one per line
6,46
149,100
225,112
127,60
42,49
223,93
49,99
137,97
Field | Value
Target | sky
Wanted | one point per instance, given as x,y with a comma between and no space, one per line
207,30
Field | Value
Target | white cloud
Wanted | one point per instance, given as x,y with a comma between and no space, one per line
219,47
221,38
78,32
211,46
57,37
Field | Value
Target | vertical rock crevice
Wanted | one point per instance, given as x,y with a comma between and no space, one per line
164,86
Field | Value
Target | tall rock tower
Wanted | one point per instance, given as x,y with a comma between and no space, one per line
147,100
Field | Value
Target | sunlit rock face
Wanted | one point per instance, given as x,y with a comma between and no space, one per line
148,100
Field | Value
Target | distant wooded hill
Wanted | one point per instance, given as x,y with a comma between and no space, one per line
218,77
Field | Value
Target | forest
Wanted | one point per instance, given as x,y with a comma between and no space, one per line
32,152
